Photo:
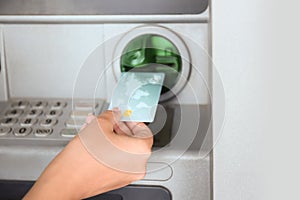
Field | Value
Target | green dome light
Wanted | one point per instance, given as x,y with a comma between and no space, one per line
153,53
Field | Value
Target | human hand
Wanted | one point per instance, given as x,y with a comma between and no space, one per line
77,173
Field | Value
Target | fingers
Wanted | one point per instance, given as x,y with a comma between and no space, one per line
107,120
139,129
110,121
122,129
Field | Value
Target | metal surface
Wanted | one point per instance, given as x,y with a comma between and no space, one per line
105,11
101,7
3,80
75,50
95,19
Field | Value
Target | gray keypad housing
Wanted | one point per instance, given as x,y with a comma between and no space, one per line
42,120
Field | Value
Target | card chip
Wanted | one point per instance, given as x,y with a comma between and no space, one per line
127,113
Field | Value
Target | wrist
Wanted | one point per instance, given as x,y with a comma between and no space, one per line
59,180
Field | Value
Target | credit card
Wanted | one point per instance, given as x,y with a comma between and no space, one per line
136,95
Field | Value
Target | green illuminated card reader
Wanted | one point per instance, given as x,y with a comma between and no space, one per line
154,49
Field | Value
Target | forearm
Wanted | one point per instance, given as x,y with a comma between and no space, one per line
59,180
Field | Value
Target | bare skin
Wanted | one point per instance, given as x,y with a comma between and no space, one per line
75,174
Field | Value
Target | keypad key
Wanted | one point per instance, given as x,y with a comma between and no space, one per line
43,132
4,131
53,113
28,121
72,123
58,105
22,131
33,113
39,104
48,122
20,104
8,121
86,106
79,114
68,132
14,113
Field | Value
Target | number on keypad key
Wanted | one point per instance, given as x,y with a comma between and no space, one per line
39,105
28,122
20,104
42,132
22,131
8,121
14,113
33,113
4,130
48,122
57,105
53,113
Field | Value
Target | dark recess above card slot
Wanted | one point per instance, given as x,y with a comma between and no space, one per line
102,7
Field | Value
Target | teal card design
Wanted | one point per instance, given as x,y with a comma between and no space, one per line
137,95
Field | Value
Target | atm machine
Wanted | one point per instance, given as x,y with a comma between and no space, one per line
61,60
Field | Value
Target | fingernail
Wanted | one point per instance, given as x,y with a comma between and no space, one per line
141,124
